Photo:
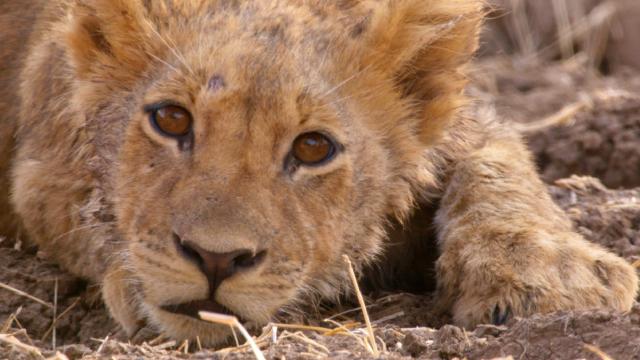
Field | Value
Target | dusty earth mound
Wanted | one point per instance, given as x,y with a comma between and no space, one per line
575,121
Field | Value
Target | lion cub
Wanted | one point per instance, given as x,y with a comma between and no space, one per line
223,155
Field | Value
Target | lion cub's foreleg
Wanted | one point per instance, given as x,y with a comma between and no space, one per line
507,249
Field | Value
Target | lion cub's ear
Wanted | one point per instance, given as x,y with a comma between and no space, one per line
107,34
426,44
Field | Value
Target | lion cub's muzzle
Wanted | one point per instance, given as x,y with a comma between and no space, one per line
216,267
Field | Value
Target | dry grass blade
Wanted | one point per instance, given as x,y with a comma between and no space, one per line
7,324
389,317
103,343
65,312
300,336
303,327
564,116
233,321
184,348
363,306
567,114
198,343
55,314
522,28
235,336
165,345
31,350
157,340
565,36
58,356
598,352
346,331
24,294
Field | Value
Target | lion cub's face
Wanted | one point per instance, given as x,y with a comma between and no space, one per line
257,143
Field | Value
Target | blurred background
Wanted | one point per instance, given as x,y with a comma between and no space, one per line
567,73
604,33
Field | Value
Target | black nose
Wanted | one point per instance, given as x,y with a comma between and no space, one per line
218,266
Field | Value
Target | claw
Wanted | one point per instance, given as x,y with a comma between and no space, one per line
499,317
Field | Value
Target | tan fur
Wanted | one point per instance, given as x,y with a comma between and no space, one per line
99,191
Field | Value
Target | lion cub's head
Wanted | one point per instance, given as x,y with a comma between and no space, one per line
246,145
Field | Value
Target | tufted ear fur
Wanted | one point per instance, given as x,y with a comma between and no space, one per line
425,44
108,34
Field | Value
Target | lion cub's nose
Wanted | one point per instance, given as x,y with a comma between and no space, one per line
218,266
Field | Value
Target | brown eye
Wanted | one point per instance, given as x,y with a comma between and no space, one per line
171,120
313,148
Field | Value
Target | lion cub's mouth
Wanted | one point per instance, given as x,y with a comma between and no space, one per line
192,308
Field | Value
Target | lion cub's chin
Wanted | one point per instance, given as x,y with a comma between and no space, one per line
132,312
177,326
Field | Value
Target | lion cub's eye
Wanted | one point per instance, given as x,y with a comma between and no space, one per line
171,120
313,148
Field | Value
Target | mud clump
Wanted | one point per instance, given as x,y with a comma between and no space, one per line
607,217
568,336
603,142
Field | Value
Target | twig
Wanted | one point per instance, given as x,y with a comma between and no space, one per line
17,322
340,328
303,327
24,294
104,342
55,314
565,115
233,321
156,340
362,341
184,348
58,356
363,306
198,343
235,336
274,334
65,312
7,324
32,350
389,317
598,352
165,345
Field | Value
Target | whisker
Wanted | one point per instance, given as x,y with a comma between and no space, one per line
162,61
80,228
344,82
171,48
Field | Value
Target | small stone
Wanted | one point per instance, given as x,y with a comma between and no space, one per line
452,341
414,344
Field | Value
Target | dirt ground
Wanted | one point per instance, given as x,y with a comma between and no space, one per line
575,121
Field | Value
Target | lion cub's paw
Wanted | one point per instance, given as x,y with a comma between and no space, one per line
570,274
